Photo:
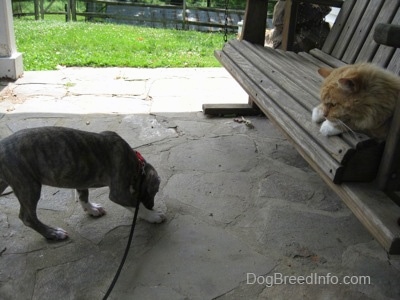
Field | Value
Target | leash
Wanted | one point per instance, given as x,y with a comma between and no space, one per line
142,163
128,245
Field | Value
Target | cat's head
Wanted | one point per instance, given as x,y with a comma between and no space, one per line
340,93
362,96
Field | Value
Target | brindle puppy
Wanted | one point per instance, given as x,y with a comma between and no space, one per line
69,158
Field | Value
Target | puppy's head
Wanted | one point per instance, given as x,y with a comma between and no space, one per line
149,187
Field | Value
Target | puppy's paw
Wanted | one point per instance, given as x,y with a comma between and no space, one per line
328,128
93,209
317,115
152,216
56,234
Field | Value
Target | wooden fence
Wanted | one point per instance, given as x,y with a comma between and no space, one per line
165,16
127,12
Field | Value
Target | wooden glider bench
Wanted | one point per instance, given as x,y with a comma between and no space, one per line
285,86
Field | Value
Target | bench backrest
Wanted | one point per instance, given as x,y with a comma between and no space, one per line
351,40
351,37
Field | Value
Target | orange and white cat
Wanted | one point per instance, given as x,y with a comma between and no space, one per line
360,97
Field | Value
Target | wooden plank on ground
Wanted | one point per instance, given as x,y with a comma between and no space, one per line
230,109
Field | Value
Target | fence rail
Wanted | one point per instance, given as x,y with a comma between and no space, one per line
165,16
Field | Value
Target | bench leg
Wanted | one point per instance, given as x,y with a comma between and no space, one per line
249,109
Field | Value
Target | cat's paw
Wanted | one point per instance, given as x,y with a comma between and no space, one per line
317,115
328,128
93,209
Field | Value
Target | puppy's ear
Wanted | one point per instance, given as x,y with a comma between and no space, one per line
152,179
324,72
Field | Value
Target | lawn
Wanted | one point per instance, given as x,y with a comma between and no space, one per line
49,43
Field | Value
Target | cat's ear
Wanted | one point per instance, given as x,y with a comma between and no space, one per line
349,84
324,72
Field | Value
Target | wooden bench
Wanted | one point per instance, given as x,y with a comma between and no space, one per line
285,86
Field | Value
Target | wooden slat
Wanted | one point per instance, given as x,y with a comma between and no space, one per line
384,54
370,51
363,29
349,29
389,172
315,61
394,64
375,210
326,58
338,26
305,76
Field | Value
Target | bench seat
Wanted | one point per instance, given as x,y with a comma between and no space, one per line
285,86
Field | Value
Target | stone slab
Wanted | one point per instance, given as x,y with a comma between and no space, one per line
237,200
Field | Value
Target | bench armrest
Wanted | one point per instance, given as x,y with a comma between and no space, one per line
387,34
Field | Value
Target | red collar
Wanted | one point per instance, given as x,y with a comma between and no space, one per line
142,161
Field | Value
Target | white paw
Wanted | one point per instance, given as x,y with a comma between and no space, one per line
328,128
93,209
58,234
317,114
151,216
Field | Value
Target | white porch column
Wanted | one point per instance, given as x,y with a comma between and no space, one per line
10,60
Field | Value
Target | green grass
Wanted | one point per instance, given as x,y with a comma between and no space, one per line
46,44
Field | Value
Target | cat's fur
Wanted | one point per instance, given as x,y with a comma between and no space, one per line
69,158
360,97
